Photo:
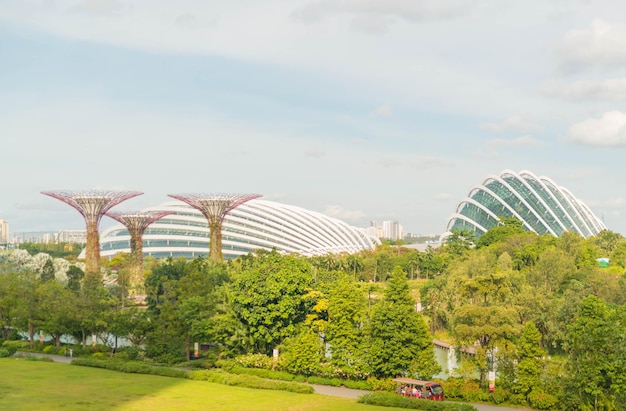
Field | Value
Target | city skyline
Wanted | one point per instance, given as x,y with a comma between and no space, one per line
360,110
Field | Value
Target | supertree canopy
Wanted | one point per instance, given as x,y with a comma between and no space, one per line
214,207
92,205
136,222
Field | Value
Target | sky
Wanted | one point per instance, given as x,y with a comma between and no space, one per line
364,110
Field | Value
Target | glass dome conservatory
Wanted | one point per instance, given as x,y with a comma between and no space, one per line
541,205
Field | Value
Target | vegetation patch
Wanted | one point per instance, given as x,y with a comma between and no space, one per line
248,381
130,367
398,401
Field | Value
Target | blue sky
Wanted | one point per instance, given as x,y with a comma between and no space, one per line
360,109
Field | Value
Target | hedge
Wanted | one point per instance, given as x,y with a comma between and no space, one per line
395,400
248,381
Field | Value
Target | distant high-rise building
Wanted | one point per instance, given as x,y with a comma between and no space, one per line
392,230
4,232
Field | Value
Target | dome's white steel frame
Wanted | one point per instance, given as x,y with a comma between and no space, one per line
256,224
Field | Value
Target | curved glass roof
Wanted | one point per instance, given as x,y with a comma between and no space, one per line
541,205
256,224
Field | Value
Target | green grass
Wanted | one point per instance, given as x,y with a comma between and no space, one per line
28,385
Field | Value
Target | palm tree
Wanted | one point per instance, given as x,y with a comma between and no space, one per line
355,263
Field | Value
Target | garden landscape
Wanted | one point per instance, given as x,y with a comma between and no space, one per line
537,312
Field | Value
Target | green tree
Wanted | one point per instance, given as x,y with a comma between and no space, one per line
74,278
397,338
597,357
303,353
268,298
345,315
459,241
47,272
59,305
133,324
530,359
507,226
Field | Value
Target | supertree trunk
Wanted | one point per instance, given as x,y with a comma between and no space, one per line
215,246
92,248
137,222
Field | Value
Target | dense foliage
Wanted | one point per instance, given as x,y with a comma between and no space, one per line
536,310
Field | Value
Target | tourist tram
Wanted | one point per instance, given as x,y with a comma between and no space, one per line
429,390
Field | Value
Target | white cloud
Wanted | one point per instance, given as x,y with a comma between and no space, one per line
409,10
337,211
372,24
442,196
524,141
485,154
601,45
513,123
607,90
389,161
98,7
315,152
608,130
426,162
382,111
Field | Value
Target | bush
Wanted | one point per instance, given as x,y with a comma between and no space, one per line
385,384
248,381
398,401
255,361
48,349
130,367
9,348
15,345
465,390
541,400
263,373
500,396
4,353
129,354
357,385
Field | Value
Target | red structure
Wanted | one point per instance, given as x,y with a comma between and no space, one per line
137,222
92,204
214,207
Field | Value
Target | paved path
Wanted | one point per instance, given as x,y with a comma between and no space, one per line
319,389
55,358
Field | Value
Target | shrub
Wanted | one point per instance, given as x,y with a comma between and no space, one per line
255,361
466,390
500,396
130,367
16,345
263,373
398,401
385,384
335,382
541,400
49,349
357,385
248,381
4,353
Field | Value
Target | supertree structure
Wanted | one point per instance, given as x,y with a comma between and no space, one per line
92,204
214,207
137,222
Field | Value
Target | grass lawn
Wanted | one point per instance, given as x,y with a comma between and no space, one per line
28,385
